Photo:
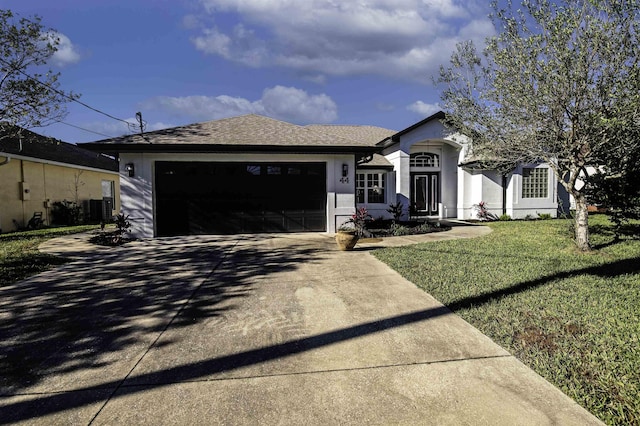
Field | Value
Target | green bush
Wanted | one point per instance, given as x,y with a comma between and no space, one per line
399,230
544,216
396,211
425,228
504,217
66,213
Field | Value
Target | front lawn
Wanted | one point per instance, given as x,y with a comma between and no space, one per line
19,255
574,318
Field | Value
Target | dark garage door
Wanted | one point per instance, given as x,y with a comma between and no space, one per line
228,198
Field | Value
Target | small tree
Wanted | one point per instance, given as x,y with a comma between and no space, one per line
559,83
77,184
396,210
28,97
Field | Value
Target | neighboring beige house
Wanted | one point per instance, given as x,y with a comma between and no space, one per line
37,171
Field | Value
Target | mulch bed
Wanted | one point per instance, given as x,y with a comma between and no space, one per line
112,239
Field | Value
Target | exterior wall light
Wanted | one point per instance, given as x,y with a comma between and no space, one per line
345,170
131,170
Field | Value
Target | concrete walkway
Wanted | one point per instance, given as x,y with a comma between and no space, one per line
252,329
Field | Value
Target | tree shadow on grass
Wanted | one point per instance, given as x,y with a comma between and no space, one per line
16,269
609,270
628,231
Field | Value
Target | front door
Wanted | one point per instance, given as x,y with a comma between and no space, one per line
425,194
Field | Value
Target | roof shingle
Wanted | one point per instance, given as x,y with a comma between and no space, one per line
255,130
41,147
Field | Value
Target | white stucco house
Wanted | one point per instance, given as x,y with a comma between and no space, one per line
256,174
435,177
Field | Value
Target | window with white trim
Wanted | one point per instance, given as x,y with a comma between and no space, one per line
535,182
370,187
424,159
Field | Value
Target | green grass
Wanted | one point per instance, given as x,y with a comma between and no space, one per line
574,318
19,255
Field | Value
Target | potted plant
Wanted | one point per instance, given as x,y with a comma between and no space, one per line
346,238
349,233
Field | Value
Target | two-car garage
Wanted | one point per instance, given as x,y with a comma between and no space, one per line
239,197
244,174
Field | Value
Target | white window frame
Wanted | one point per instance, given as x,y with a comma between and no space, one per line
424,159
535,182
365,182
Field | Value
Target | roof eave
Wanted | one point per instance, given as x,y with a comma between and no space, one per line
440,115
221,148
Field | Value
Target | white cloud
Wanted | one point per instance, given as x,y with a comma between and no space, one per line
118,128
424,109
67,53
291,104
405,39
241,46
203,108
283,103
316,78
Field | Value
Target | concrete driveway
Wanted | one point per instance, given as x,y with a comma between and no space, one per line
266,329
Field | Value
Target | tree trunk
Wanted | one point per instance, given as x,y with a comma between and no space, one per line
582,222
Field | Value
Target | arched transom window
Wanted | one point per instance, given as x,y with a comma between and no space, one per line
424,159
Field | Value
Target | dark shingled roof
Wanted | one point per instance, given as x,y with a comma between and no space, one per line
368,134
44,148
246,132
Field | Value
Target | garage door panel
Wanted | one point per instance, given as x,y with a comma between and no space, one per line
222,198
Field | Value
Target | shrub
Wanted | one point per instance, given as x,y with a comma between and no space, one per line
544,216
122,223
114,238
482,212
66,213
397,230
396,211
424,228
504,217
358,222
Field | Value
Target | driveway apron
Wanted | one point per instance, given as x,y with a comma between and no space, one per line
252,329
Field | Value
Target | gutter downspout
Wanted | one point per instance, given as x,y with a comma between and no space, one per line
504,194
6,161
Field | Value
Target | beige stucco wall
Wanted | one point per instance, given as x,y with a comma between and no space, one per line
46,181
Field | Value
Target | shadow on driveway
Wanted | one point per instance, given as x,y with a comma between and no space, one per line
100,312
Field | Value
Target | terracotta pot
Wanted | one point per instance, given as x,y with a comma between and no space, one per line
346,240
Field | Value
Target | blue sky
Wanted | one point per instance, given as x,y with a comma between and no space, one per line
301,61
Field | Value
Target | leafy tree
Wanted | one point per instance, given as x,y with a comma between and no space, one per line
616,187
558,83
29,93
